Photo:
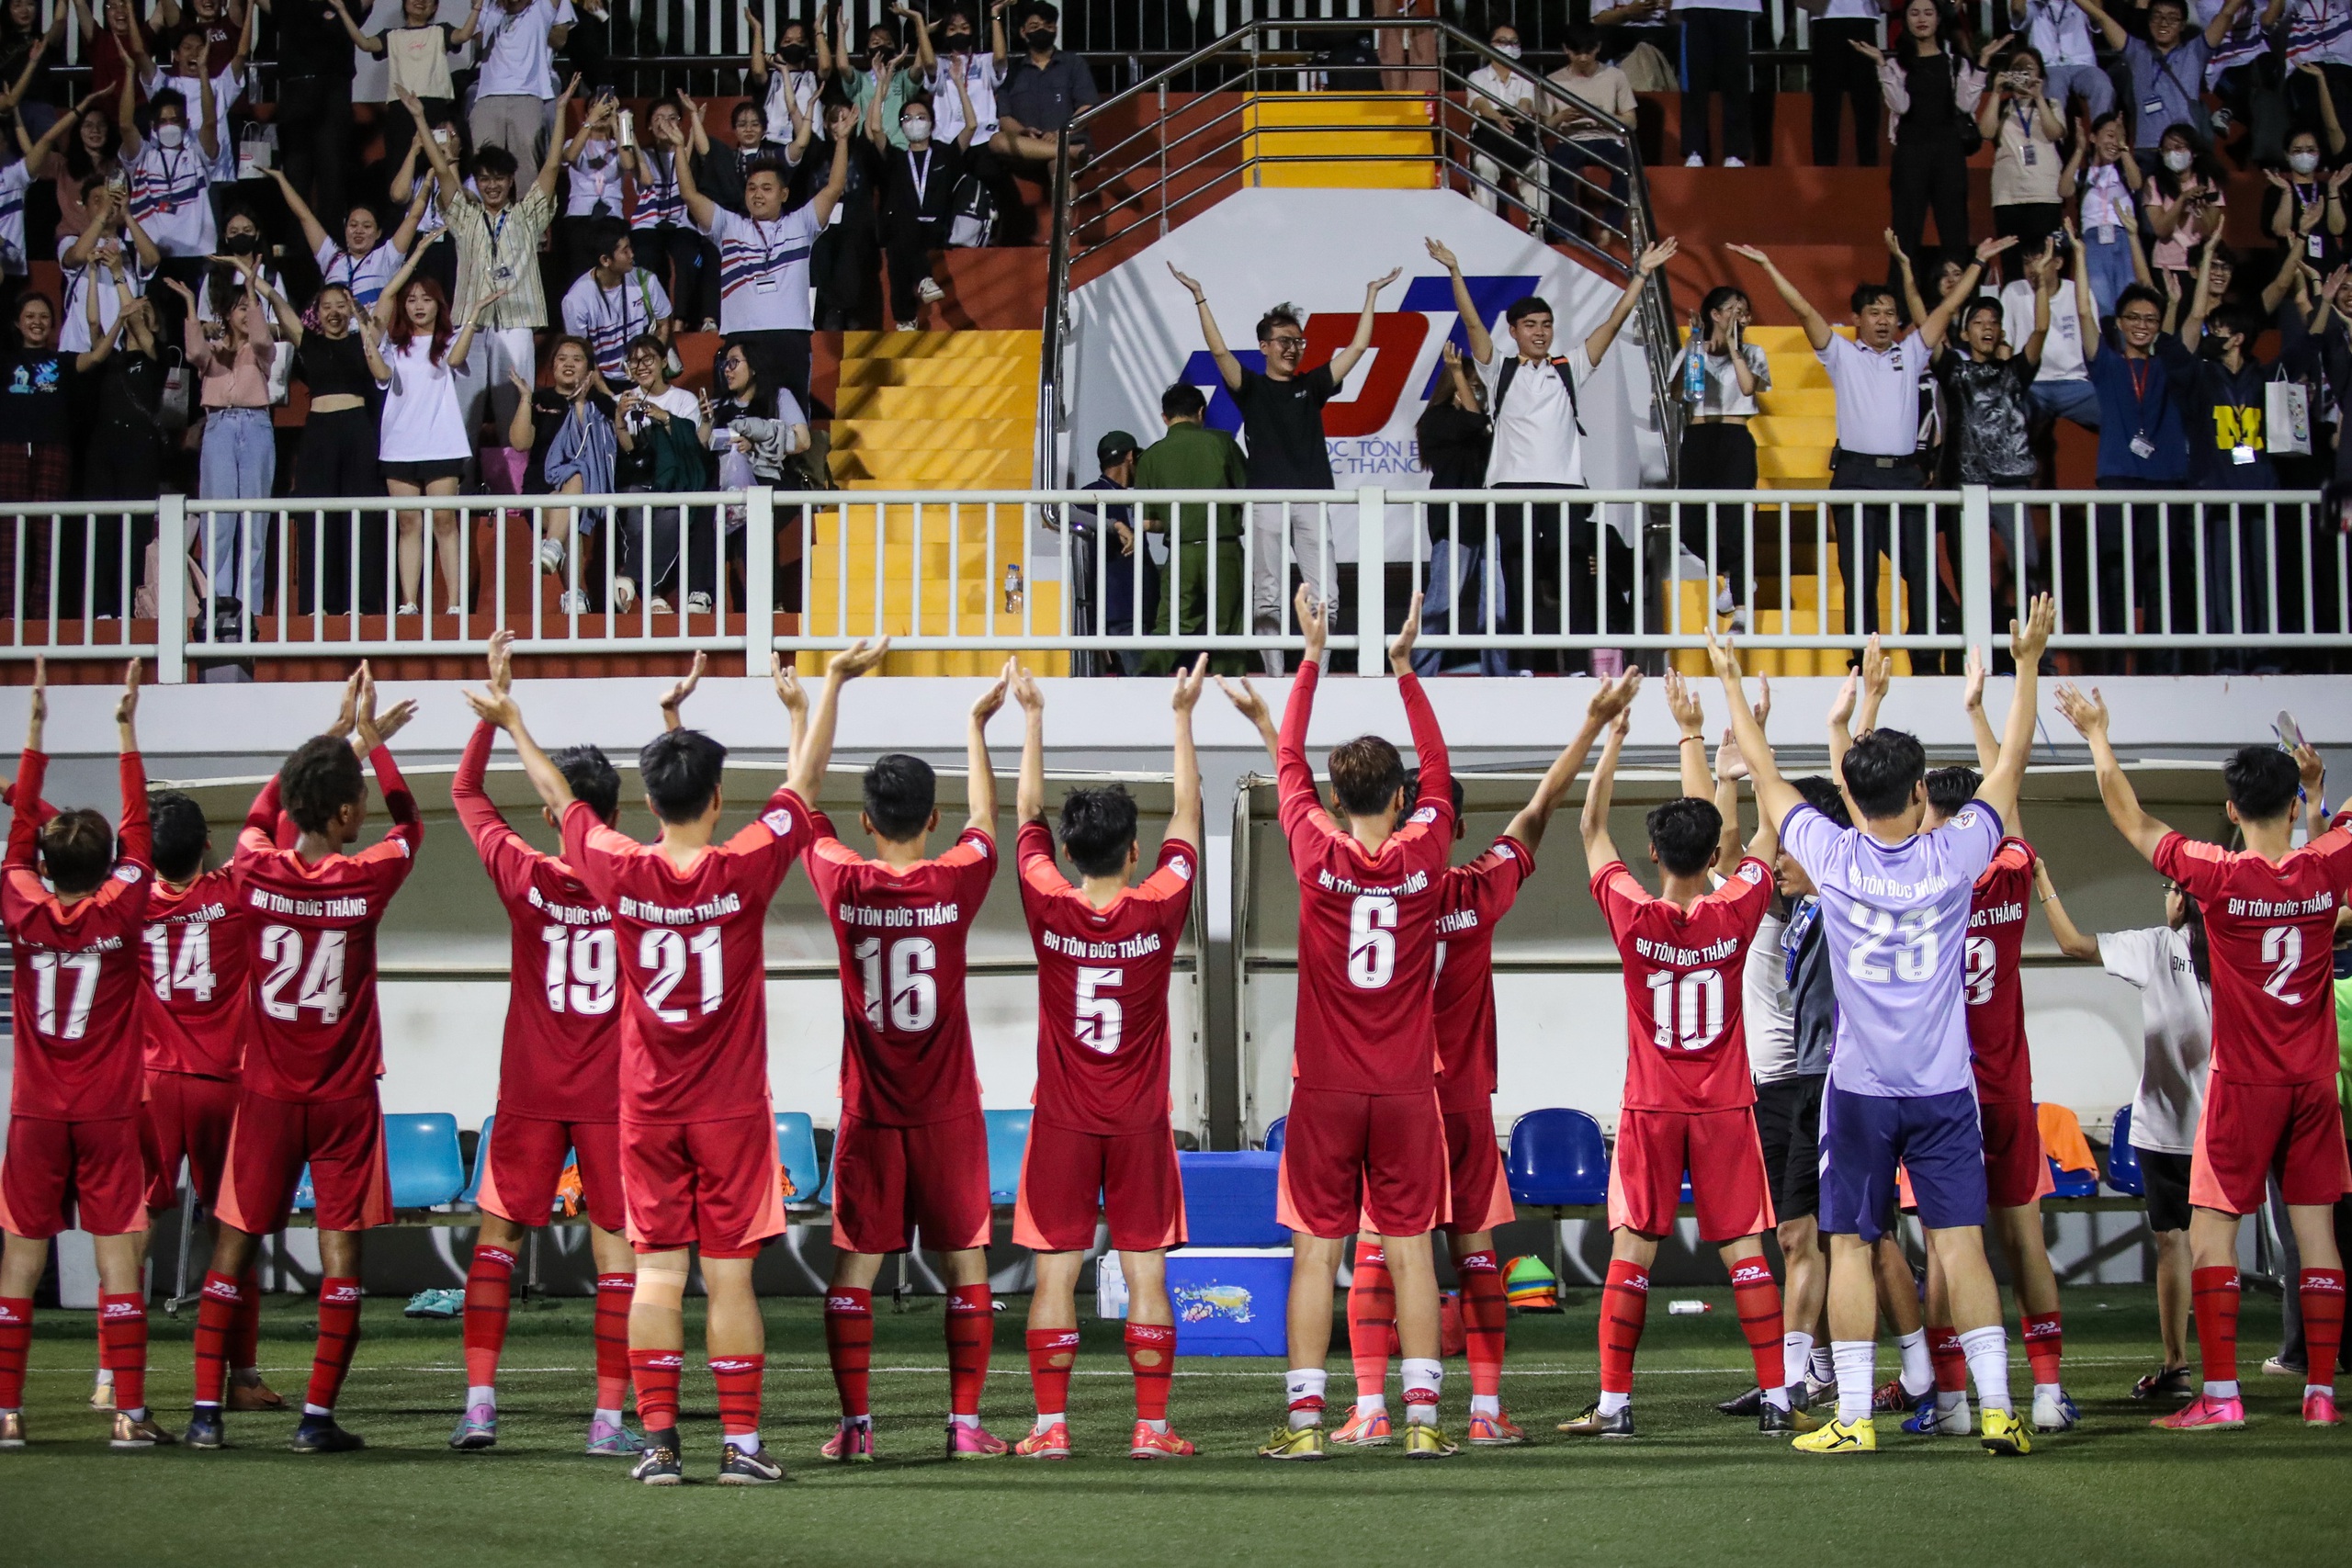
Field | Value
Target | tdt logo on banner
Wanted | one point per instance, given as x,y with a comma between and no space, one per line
1134,331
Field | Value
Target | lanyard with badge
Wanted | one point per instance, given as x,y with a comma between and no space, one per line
2155,104
171,163
921,170
2026,118
500,272
2142,372
765,282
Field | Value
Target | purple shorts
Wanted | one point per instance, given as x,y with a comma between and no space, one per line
1934,1137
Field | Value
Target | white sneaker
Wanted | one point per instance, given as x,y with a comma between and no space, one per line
929,291
699,604
1694,162
623,594
573,602
1735,163
659,606
2055,1412
906,326
407,610
551,556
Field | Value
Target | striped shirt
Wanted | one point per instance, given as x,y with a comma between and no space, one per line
2319,31
13,180
609,318
659,199
168,195
498,249
73,310
764,269
363,275
2245,39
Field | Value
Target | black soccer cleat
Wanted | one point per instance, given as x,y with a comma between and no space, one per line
1782,1421
659,1464
1593,1424
1747,1403
206,1429
753,1469
320,1435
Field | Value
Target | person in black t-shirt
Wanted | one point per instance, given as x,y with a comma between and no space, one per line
1281,424
336,453
917,196
313,112
1455,436
39,390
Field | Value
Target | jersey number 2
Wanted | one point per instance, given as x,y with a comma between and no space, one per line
2282,949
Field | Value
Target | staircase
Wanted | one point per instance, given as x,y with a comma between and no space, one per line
946,411
1390,133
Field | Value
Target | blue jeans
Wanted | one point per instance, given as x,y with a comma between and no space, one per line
2068,400
2112,271
1468,576
239,463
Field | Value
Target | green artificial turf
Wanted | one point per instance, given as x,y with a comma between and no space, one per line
1694,1487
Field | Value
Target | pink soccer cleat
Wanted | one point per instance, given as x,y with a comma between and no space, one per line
1051,1443
2319,1408
974,1442
851,1443
2205,1413
1148,1444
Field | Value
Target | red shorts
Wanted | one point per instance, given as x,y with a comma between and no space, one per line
185,1117
63,1176
715,1185
340,1140
1720,1150
1474,1173
2250,1130
1061,1172
2016,1170
524,1161
889,1181
1351,1158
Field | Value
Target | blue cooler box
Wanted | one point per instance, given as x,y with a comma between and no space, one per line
1229,1199
1230,1301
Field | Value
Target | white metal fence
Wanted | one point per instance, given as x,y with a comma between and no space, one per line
2211,580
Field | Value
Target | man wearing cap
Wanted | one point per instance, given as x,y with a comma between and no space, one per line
1190,456
1128,574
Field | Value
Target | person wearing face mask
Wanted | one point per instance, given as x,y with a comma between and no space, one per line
788,95
184,72
1717,39
863,75
2184,198
224,286
2304,207
171,183
1506,135
1044,90
956,53
918,203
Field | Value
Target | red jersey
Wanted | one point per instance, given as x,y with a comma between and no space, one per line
1367,923
314,1030
76,1005
693,958
1474,897
1686,1048
1994,988
1102,989
560,1059
2270,929
906,1040
193,1009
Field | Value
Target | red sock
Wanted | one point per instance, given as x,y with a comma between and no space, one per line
2045,1344
971,1325
849,1345
1756,1297
217,1313
1051,1351
614,1295
656,1374
1485,1312
122,1347
15,1344
1371,1316
2322,1297
489,1285
1151,1356
1950,1361
1625,1304
2215,1294
338,1337
244,1337
738,1379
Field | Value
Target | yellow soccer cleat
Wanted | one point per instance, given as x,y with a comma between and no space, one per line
1423,1441
2002,1432
1839,1437
1295,1442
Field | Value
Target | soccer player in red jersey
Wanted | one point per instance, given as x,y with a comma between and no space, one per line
559,1075
74,1160
911,1152
698,1160
1365,1145
193,1015
314,1047
2270,1103
1688,1103
1477,896
1105,950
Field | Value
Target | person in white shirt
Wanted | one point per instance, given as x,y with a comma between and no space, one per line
416,54
17,178
184,74
1717,39
2062,387
980,69
593,158
2170,968
170,174
1719,396
1539,444
113,238
2060,34
1507,135
364,260
646,539
518,40
783,80
614,302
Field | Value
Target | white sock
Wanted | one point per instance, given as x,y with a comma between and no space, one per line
1047,1423
1612,1402
1305,1382
609,1417
2047,1390
1422,1377
1372,1405
1485,1404
1987,1351
480,1394
2308,1389
1856,1360
106,1377
850,1423
1824,1368
1950,1400
135,1413
1778,1398
971,1420
2221,1390
743,1443
1157,1426
1796,1351
311,1409
1919,1371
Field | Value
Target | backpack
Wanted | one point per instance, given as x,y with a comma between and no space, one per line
972,221
1567,384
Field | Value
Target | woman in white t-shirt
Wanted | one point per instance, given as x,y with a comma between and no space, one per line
415,353
2169,967
363,260
592,156
1510,118
2015,114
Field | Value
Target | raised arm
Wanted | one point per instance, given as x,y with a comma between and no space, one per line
1932,329
2085,305
1614,698
2071,939
2109,28
360,41
1345,360
2026,642
443,170
2088,715
1600,850
2223,21
813,752
1228,369
842,120
1606,333
1473,326
1817,330
1980,728
981,784
314,234
1774,795
700,207
1433,762
1690,749
551,169
1029,794
1184,817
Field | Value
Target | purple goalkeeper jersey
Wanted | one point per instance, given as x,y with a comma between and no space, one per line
1895,918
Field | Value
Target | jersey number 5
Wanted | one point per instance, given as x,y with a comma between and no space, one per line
1101,1019
912,1000
1371,941
322,986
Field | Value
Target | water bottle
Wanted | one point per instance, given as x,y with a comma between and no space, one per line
1694,369
1012,594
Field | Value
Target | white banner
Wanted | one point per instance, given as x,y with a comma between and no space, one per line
1135,331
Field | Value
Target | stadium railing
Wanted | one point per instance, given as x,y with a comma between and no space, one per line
2196,578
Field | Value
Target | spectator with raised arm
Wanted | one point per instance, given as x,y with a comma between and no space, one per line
416,57
2166,67
883,69
336,453
660,233
240,452
366,259
171,181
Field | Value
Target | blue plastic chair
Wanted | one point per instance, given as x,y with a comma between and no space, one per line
1007,1141
1557,1159
1687,1196
421,1153
795,1140
2123,1160
472,1196
304,1199
1275,1134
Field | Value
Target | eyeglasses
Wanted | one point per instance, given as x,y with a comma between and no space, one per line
1287,344
2139,318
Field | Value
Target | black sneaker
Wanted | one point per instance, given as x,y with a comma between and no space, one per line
1747,1403
1593,1424
658,1465
2168,1382
320,1435
206,1429
1782,1421
753,1469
